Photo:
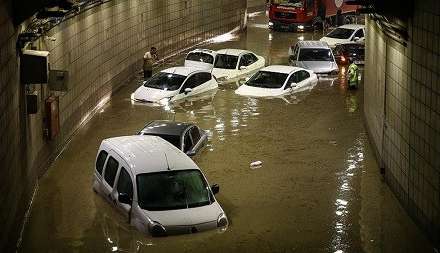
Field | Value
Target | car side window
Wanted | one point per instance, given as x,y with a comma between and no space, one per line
253,58
359,33
196,80
187,143
110,170
195,134
204,77
100,161
190,83
303,75
294,78
125,185
243,61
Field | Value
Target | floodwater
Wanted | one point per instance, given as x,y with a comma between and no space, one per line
318,189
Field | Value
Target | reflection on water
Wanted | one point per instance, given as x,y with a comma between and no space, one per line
303,199
345,194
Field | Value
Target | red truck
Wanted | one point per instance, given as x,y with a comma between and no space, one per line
304,14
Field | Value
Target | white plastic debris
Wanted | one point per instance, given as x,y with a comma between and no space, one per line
256,163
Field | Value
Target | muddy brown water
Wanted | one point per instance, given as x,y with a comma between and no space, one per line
318,189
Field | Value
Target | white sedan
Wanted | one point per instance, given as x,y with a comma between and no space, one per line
175,83
231,63
344,33
278,80
200,58
156,186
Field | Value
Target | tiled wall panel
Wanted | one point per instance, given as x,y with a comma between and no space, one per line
100,49
409,147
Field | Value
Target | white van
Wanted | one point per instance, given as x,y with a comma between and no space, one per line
156,186
314,55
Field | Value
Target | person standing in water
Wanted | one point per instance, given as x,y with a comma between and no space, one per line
353,75
149,58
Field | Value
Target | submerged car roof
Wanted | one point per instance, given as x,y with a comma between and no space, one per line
232,51
146,154
313,44
165,127
280,68
184,71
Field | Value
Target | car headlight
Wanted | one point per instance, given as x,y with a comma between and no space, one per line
222,220
164,101
156,229
301,27
270,23
132,96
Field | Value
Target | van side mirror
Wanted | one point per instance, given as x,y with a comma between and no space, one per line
124,198
293,85
243,67
187,90
215,188
356,38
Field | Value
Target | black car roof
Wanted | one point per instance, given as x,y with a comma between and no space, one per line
165,127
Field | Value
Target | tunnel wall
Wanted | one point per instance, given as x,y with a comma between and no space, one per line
255,5
402,111
101,49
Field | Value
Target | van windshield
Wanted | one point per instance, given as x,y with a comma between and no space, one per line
165,81
170,190
293,3
315,54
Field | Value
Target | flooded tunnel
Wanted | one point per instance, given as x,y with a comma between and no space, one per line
326,168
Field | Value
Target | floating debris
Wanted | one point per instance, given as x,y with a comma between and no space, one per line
256,164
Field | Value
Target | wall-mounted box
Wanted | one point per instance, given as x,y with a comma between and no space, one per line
52,117
34,66
31,103
58,80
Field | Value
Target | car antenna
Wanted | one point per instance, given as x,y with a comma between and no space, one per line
166,158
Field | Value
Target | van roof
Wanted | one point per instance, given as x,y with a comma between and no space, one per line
312,44
147,154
